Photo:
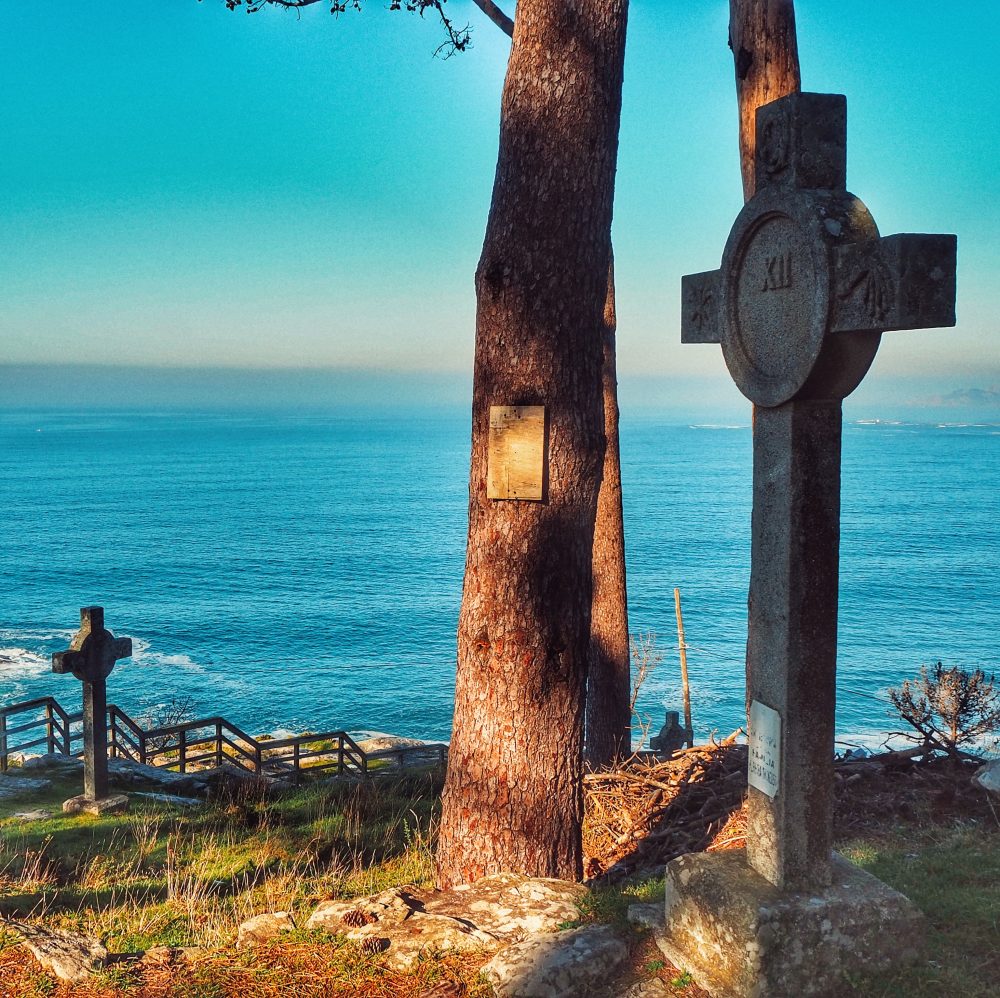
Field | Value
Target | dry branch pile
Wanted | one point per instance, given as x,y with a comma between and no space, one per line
915,784
647,812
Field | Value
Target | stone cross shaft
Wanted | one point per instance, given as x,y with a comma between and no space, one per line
90,658
804,293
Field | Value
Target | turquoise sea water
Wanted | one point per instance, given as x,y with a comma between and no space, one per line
303,571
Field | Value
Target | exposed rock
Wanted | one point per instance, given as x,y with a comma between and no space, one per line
401,925
70,956
40,815
381,743
648,916
488,914
163,956
114,804
260,928
559,965
128,773
988,777
171,799
15,786
653,988
509,906
53,762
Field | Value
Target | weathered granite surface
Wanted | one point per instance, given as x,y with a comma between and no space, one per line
740,936
82,804
17,786
70,956
558,965
264,927
517,916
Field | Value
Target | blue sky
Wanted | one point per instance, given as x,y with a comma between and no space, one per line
185,186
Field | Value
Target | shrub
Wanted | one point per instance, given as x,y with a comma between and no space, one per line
948,708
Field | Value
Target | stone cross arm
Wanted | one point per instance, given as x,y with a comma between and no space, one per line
806,286
903,281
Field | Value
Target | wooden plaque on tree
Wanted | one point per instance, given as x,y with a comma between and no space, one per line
516,467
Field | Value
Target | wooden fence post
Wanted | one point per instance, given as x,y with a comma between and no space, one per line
681,644
50,740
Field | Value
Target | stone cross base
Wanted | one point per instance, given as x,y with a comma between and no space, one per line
741,936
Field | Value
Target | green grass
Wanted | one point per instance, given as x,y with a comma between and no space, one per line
161,876
157,875
953,876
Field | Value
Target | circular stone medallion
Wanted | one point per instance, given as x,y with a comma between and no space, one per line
775,291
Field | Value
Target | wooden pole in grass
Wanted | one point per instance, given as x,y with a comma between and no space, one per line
684,670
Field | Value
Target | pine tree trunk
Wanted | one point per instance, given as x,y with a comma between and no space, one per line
512,798
609,713
766,54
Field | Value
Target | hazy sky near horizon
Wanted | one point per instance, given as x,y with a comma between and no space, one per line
186,186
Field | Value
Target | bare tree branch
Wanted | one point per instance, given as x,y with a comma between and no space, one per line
497,16
458,39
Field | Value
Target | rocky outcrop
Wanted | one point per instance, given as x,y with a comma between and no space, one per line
517,918
114,804
18,786
396,922
558,965
70,956
261,928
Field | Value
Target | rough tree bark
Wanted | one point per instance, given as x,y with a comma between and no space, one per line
512,798
609,713
766,54
608,731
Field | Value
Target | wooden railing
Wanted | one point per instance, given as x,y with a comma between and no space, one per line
60,730
204,744
213,741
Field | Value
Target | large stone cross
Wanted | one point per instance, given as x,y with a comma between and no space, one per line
90,658
804,293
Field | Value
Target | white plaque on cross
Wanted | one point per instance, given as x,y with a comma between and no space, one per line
765,749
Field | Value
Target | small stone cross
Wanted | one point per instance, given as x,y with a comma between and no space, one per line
804,293
90,658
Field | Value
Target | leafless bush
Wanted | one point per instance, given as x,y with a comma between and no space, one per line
646,656
948,708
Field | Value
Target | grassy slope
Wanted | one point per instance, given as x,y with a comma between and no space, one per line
157,876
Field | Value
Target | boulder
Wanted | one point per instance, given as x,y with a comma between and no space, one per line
17,786
70,956
646,916
53,762
127,773
558,965
114,804
988,777
261,928
164,956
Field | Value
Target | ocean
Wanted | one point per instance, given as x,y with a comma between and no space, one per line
302,570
